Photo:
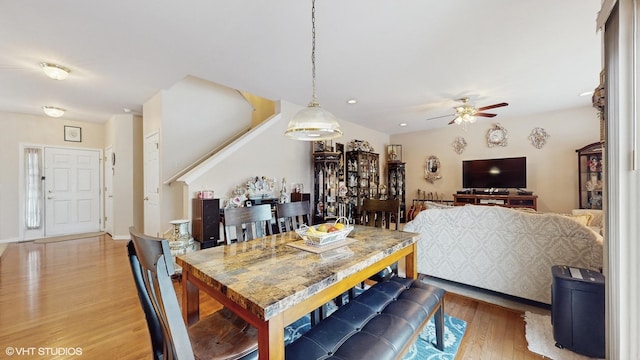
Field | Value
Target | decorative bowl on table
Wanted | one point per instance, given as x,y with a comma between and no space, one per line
313,236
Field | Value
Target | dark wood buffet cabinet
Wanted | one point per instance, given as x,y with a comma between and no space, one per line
512,201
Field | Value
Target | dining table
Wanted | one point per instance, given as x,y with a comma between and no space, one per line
273,281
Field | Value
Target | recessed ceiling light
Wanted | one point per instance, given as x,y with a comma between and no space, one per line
586,93
53,111
352,101
402,124
54,71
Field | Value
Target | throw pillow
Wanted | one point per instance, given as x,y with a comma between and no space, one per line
437,205
582,219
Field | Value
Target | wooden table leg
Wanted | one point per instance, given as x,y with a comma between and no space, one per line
411,263
190,301
271,338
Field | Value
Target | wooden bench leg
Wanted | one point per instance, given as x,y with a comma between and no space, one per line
439,320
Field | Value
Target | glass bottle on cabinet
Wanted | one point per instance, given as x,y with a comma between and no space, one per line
395,181
363,180
326,199
590,176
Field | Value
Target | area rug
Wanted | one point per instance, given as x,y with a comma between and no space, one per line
68,237
539,334
423,349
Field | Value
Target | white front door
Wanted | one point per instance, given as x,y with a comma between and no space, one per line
152,184
109,168
72,191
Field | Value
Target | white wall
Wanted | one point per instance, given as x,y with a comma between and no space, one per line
552,172
20,129
124,134
275,156
193,117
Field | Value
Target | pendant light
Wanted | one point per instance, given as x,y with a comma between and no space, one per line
313,123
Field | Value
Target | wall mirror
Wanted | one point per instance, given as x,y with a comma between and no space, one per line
432,169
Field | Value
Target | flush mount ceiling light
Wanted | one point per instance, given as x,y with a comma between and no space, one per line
313,123
56,72
53,111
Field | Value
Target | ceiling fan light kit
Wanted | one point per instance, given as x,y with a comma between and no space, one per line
468,114
313,123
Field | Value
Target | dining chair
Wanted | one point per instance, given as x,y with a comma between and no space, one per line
222,335
294,214
250,222
381,213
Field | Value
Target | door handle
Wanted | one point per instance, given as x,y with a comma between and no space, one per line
146,198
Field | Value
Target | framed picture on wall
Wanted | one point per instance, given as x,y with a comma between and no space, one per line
73,133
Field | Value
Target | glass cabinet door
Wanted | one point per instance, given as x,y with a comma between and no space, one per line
590,176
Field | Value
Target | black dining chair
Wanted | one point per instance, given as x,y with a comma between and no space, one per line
250,222
222,335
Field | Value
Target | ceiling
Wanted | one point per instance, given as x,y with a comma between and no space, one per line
404,61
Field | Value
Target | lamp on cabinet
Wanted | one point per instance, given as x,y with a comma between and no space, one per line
394,153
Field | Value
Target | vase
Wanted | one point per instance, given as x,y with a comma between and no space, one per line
180,241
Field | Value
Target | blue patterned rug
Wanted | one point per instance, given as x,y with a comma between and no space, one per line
423,349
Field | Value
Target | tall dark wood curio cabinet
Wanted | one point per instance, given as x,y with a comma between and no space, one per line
326,199
590,176
363,179
395,181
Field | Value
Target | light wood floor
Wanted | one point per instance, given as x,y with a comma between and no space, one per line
80,294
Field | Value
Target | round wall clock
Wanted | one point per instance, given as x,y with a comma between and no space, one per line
497,136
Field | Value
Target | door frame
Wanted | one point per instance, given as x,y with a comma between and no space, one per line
32,234
108,166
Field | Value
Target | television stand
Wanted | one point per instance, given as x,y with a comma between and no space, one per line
506,200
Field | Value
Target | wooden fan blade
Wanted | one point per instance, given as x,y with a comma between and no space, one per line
451,122
440,117
484,115
492,106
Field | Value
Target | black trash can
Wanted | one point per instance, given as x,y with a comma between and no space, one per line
577,310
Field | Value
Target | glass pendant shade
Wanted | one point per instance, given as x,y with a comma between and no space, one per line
313,123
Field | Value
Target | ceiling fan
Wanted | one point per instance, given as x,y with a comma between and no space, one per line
466,113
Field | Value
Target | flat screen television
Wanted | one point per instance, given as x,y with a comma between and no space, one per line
495,173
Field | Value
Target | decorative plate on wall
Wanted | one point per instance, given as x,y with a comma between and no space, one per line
497,136
538,137
459,144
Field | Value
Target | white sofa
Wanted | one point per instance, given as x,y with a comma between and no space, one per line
501,249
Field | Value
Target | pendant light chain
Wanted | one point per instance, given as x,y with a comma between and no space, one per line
314,99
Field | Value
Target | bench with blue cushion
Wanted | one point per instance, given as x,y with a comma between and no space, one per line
381,323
